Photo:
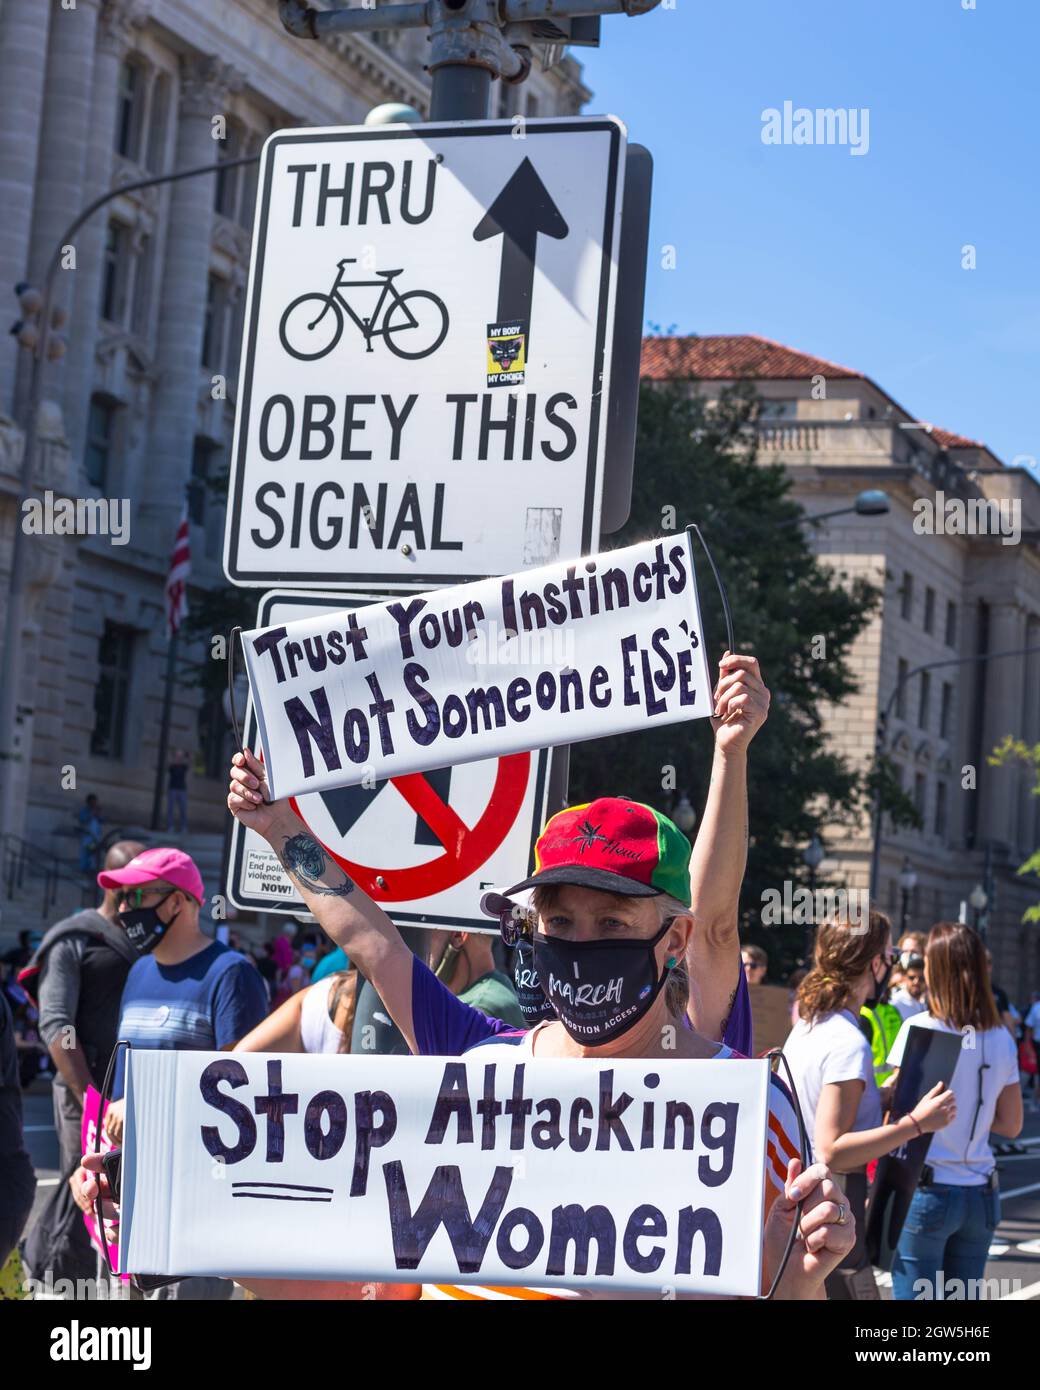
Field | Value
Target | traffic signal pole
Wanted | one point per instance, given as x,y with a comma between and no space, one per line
472,41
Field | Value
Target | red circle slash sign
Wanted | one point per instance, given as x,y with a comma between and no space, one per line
465,847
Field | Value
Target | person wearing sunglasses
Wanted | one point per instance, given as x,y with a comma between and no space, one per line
833,1069
908,997
185,990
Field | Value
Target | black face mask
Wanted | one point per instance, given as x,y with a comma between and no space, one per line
533,1004
599,989
144,927
881,987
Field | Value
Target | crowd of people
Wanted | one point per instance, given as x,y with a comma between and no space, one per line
852,1014
632,903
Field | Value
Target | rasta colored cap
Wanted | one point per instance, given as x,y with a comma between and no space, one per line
615,846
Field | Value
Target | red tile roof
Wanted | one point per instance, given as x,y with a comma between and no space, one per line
947,440
725,356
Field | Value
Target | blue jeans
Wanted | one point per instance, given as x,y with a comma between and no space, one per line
946,1236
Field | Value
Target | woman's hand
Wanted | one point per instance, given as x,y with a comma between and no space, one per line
248,796
113,1121
741,702
76,1183
93,1182
826,1231
936,1109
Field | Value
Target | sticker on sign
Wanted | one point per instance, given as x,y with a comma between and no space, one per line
426,358
425,846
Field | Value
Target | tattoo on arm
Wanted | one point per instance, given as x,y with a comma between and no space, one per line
310,864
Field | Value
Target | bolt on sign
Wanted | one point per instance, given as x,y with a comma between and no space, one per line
425,846
426,357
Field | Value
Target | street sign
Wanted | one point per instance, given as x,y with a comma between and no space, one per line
426,365
436,840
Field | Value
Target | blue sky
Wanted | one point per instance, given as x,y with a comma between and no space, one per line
853,258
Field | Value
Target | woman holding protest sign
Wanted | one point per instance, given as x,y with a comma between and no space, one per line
945,1240
719,1007
833,1069
638,907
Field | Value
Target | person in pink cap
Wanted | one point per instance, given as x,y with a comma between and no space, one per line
186,991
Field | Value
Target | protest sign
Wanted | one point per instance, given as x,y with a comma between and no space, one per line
425,846
928,1057
494,1168
93,1114
574,650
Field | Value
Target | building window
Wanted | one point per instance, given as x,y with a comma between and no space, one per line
923,696
951,623
213,332
940,809
202,474
906,595
155,149
946,710
99,440
225,195
247,203
920,793
929,610
113,273
142,287
902,669
532,106
128,114
112,692
234,192
212,738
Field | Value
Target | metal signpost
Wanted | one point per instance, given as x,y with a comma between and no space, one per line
439,382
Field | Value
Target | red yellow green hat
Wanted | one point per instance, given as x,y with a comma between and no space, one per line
615,846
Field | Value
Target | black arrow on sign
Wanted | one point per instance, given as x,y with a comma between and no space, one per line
521,211
347,804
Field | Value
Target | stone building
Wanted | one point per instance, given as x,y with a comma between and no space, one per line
946,597
100,95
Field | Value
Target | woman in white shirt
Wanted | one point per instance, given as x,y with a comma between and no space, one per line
833,1070
950,1224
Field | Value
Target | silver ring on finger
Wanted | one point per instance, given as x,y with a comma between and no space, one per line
843,1215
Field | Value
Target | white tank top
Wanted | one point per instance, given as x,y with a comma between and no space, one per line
318,1033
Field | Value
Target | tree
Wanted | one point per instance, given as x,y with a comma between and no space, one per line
1016,750
696,461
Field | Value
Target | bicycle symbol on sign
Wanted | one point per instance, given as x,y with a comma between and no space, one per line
413,324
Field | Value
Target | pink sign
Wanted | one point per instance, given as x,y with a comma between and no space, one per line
92,1110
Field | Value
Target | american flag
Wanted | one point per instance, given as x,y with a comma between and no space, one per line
177,579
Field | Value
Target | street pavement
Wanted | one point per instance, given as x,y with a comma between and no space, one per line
1014,1255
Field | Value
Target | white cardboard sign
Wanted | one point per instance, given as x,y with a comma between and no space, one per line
426,359
633,1174
572,651
424,847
